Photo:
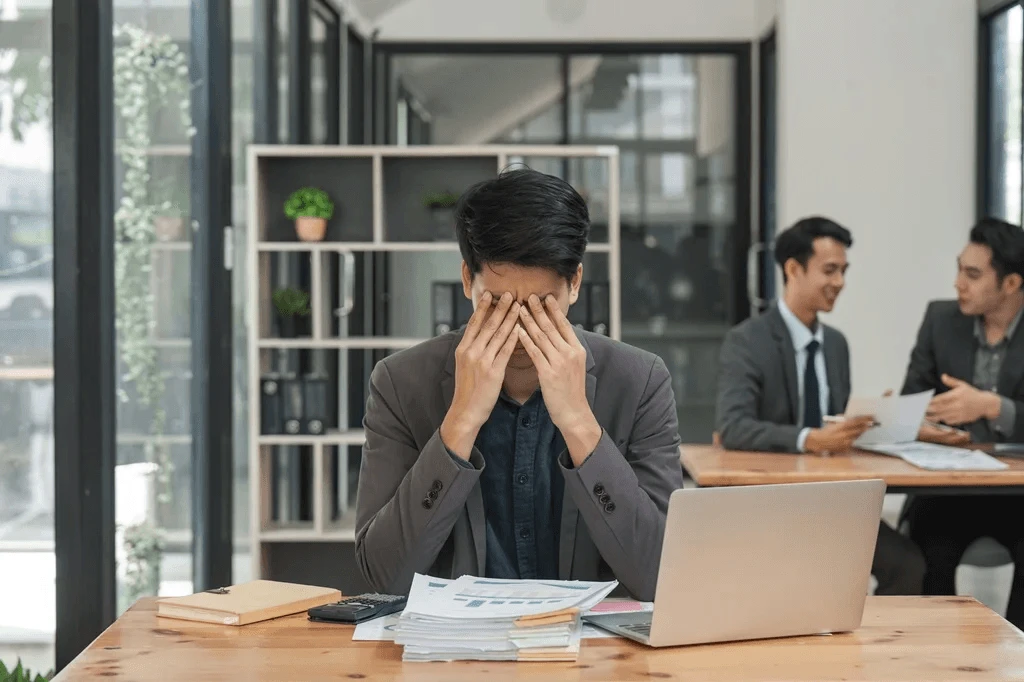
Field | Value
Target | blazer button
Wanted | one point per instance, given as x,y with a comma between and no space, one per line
436,486
610,507
604,499
432,495
428,503
598,489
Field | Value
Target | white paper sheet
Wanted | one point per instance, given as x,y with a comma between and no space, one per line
473,598
383,628
899,417
942,457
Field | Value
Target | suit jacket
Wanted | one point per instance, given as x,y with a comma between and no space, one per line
946,345
614,506
758,397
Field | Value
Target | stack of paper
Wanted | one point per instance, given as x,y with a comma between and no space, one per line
483,619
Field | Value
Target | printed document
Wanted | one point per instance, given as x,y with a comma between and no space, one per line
899,417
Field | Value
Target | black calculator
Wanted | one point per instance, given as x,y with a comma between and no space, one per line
352,610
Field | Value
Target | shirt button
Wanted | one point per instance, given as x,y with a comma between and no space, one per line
521,479
526,422
524,533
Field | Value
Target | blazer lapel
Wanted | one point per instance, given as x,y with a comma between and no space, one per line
784,345
570,513
475,501
961,363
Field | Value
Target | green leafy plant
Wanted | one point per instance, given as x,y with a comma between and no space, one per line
309,202
21,674
433,200
291,302
143,545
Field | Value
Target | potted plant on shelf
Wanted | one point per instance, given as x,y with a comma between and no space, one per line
310,208
290,304
442,208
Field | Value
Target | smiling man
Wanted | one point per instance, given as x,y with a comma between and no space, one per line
519,446
782,372
971,352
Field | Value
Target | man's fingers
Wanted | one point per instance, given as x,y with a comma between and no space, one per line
478,317
952,382
507,348
495,319
535,353
499,338
536,334
544,322
562,323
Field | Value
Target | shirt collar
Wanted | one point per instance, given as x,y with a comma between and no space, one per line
979,328
798,331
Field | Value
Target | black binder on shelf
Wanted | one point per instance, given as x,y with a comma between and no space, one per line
314,404
450,309
291,405
271,415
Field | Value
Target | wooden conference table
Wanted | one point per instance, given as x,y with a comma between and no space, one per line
712,466
901,638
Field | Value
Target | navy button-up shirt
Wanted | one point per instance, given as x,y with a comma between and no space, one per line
522,489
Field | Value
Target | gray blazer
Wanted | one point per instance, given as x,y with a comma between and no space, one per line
946,345
758,404
614,507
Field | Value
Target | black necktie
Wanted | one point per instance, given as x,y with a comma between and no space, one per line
812,401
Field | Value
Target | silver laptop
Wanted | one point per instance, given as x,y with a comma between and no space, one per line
755,562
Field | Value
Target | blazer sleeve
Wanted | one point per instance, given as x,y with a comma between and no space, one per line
740,384
922,371
624,500
408,498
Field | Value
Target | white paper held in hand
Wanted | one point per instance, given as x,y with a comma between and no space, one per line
899,417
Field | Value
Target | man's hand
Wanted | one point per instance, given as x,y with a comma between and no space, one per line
838,436
962,404
561,363
933,434
480,361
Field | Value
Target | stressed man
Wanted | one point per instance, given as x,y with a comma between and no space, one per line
783,372
971,352
519,446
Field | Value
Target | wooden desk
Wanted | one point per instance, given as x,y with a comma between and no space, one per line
901,638
712,466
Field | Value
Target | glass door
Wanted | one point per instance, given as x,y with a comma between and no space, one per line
27,617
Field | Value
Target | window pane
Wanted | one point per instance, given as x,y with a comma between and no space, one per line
26,339
1004,144
152,292
604,101
477,99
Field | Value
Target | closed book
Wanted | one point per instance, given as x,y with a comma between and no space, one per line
249,602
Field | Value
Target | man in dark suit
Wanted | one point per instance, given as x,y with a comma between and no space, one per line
783,371
971,352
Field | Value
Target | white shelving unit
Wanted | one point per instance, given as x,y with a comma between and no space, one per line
374,190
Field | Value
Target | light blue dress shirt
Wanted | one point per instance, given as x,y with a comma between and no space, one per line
801,337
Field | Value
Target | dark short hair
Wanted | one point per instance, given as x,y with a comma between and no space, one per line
523,217
797,242
1006,242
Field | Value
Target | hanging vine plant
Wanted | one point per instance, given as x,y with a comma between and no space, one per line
148,69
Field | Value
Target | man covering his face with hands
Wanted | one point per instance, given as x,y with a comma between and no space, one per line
519,446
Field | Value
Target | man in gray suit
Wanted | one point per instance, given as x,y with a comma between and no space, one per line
782,372
971,352
519,447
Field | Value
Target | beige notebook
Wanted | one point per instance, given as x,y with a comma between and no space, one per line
247,603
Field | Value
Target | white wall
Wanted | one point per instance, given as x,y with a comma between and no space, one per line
570,20
877,131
